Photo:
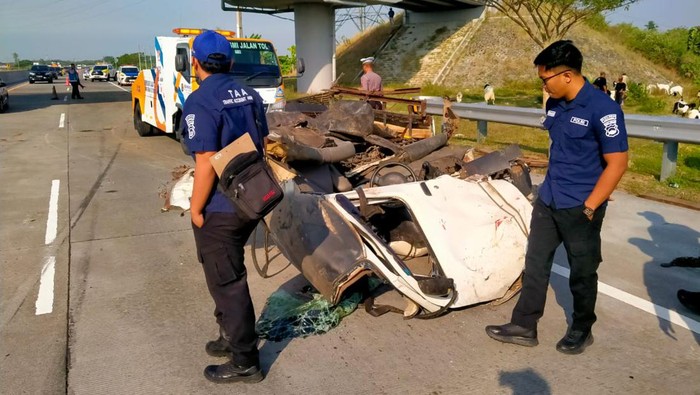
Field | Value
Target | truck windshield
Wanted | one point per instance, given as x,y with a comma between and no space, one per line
256,61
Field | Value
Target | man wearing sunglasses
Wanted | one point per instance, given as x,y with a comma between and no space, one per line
588,156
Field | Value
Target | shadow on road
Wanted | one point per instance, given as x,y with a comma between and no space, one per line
524,382
22,102
667,241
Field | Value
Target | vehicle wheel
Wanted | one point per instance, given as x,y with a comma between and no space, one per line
142,128
31,82
50,81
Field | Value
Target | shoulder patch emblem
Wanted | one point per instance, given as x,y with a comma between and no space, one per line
189,120
551,113
610,124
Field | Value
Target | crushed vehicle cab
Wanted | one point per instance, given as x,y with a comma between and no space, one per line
361,200
158,94
127,75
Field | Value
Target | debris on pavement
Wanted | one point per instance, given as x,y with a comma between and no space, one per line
178,195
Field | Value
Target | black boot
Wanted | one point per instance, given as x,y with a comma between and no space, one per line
232,373
575,342
219,347
511,333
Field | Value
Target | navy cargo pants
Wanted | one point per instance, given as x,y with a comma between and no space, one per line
220,242
581,237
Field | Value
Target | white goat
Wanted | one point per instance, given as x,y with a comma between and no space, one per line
693,114
651,88
489,95
680,107
676,91
665,87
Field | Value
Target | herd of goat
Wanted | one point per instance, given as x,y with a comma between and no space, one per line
680,107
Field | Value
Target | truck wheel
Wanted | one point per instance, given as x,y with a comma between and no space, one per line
142,128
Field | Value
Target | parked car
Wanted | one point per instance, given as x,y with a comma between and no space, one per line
103,72
55,72
127,75
4,96
40,72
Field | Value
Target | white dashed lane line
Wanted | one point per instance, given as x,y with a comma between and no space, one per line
62,120
44,299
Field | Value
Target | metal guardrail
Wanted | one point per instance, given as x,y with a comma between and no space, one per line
668,130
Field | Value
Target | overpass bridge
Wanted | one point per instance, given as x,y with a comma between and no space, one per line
314,25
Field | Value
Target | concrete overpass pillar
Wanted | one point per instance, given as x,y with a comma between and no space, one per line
314,36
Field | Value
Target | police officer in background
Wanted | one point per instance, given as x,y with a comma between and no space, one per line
215,115
588,157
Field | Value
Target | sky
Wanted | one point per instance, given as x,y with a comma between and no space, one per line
91,29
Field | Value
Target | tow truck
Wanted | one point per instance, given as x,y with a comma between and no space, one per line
158,94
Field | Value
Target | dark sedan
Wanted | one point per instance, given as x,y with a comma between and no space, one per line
40,72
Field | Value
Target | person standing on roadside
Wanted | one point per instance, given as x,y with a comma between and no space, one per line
216,114
601,83
588,157
371,81
74,79
620,90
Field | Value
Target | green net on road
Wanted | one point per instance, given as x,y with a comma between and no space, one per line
287,315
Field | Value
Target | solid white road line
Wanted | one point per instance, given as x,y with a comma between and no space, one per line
62,121
125,90
18,86
44,300
641,304
52,219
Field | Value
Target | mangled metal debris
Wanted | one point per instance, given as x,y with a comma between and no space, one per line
362,201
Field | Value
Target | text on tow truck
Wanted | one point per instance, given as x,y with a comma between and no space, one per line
158,94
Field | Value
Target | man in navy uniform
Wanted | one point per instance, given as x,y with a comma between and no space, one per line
215,115
588,156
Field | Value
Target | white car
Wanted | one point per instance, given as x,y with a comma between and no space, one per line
127,75
103,72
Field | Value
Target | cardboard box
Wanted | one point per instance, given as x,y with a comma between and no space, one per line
241,145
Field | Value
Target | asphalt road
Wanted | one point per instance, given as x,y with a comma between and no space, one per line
124,308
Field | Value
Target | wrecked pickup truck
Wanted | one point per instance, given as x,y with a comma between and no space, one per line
363,198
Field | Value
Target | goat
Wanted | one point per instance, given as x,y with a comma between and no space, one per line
651,88
693,114
665,87
680,107
489,95
676,91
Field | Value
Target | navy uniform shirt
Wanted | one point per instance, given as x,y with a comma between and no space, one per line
581,131
215,115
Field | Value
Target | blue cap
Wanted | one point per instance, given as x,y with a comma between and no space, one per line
210,43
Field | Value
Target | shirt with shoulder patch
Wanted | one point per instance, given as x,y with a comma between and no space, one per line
581,132
215,115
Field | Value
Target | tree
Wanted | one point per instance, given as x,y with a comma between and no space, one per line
15,56
651,26
546,21
109,59
288,62
694,40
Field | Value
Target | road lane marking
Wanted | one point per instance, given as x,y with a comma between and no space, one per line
44,300
65,98
52,219
62,120
641,304
125,90
18,86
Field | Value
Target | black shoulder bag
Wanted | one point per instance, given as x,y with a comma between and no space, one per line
249,182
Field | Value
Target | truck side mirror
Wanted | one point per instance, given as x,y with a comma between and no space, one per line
301,67
181,62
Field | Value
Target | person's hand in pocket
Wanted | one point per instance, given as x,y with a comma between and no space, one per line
197,219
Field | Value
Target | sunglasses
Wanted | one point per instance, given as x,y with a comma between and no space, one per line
545,80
